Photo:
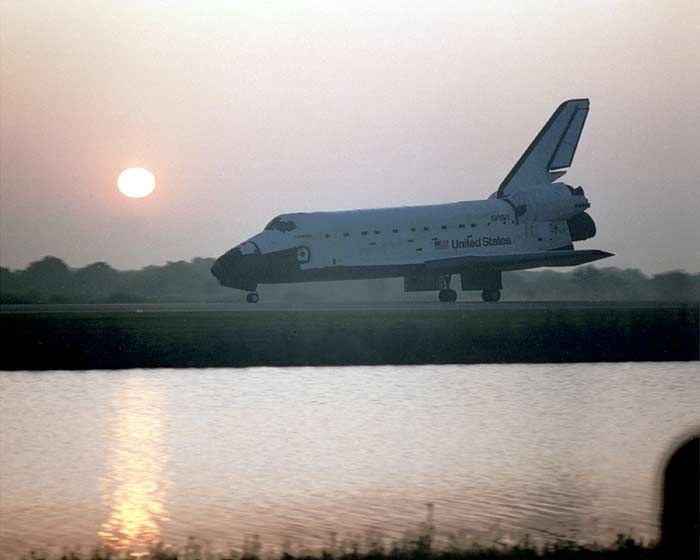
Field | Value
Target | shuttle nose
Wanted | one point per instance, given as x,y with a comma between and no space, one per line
227,267
217,270
233,270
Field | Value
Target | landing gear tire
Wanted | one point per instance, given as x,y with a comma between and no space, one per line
447,295
252,297
491,295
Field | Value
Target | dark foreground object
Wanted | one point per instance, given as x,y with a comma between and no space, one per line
680,520
484,333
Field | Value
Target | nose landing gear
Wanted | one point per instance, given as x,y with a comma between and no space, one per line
252,297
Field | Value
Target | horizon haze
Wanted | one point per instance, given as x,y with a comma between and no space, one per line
246,111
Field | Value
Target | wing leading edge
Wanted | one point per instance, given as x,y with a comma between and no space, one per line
551,151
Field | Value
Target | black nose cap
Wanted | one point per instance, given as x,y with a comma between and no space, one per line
217,270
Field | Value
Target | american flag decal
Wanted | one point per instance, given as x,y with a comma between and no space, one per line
442,244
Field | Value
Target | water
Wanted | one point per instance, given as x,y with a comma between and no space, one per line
321,455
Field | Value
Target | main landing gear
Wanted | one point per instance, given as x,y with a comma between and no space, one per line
447,295
252,297
491,295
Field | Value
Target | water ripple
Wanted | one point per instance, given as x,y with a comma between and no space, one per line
309,457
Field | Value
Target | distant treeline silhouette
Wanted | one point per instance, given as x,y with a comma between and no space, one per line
50,280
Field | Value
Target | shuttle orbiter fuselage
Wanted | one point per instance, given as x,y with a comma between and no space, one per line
530,222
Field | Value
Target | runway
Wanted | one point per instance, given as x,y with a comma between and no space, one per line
268,334
325,306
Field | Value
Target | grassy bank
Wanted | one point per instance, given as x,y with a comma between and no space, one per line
299,337
623,549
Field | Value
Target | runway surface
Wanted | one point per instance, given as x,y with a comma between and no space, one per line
270,334
325,306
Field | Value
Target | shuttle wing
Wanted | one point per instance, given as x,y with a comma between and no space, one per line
552,150
518,261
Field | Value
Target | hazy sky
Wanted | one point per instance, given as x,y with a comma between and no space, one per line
247,110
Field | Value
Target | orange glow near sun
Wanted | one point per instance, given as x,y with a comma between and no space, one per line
136,182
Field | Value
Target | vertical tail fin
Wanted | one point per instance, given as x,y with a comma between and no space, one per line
551,151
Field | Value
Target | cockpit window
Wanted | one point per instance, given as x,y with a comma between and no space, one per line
248,248
279,224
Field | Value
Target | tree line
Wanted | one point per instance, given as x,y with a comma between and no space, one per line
50,280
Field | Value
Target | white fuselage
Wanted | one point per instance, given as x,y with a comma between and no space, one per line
405,235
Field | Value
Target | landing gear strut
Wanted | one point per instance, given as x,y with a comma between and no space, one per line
446,294
252,297
491,295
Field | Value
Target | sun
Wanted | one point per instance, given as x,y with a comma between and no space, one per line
136,182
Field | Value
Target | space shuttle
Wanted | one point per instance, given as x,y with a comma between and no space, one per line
531,221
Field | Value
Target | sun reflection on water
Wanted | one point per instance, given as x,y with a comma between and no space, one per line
134,489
